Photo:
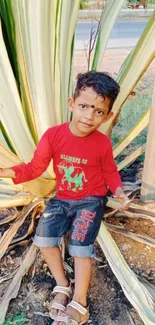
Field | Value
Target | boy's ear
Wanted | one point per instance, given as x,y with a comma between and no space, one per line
70,104
109,115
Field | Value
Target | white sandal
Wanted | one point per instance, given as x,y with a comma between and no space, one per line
57,304
69,320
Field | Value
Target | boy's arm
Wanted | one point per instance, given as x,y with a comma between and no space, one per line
39,163
7,172
112,178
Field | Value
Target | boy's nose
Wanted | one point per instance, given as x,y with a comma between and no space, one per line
89,114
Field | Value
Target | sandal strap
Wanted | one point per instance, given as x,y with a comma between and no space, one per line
78,307
65,320
65,290
57,305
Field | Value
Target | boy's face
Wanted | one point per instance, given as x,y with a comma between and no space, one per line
89,111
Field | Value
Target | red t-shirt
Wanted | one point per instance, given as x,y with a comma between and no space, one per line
83,165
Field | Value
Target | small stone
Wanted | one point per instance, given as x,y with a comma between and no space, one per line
12,252
29,315
125,247
150,278
148,271
44,266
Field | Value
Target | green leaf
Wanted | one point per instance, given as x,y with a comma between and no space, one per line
140,125
135,66
108,19
11,106
8,28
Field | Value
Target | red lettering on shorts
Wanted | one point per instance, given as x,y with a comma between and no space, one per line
83,230
78,236
82,224
88,215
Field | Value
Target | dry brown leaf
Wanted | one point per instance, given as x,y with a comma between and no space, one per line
30,228
134,210
7,277
15,201
144,239
38,187
151,205
20,243
12,290
9,218
10,233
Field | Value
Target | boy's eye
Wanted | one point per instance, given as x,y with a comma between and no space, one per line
99,112
82,106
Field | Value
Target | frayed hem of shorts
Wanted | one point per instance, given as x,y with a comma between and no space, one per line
47,241
82,251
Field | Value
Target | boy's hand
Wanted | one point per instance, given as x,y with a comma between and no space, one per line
122,198
1,172
7,172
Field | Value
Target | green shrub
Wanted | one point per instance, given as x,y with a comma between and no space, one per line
83,4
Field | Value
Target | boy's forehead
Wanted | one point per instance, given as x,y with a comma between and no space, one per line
88,95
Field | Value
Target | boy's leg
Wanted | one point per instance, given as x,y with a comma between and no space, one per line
53,258
52,225
84,231
83,268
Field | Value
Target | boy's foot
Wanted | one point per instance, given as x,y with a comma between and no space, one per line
75,314
61,297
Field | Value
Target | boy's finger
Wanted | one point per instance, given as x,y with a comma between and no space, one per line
125,205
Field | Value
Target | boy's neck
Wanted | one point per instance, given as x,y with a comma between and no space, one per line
72,129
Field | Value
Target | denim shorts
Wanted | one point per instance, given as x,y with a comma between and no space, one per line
81,217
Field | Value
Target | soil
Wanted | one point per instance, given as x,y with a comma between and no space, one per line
108,305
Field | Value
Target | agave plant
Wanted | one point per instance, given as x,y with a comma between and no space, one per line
148,186
36,56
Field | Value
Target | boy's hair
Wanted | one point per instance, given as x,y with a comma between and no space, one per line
101,82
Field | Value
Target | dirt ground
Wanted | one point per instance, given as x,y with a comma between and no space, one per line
108,305
113,58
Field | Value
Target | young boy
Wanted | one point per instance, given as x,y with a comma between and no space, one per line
85,169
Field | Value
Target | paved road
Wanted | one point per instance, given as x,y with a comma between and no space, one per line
125,33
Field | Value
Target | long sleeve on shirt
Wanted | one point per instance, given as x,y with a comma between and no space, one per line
39,163
110,172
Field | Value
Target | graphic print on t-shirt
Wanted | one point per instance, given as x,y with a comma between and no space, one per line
73,177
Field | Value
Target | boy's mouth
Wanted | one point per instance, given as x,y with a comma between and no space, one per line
87,125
